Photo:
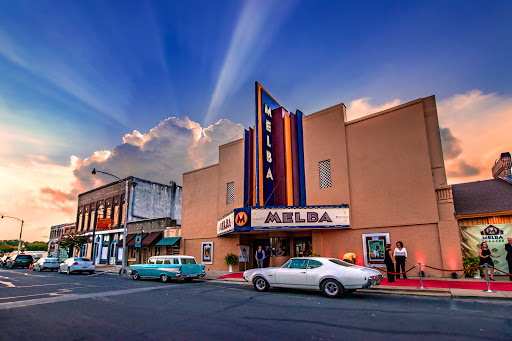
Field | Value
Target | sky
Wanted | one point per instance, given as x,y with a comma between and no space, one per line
151,89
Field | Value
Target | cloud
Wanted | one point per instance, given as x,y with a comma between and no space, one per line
255,27
481,125
460,169
361,107
451,144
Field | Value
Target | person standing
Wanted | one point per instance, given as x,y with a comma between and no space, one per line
349,257
388,260
260,255
508,248
400,255
266,260
485,258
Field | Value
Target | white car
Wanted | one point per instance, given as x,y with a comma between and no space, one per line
76,264
330,275
46,263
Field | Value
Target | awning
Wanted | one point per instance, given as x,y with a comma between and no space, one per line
151,239
129,237
168,241
132,241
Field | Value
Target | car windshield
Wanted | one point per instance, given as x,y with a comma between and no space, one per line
188,261
24,257
340,262
85,259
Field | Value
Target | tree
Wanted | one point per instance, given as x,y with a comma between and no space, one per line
75,240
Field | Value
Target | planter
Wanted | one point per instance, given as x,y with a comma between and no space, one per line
231,268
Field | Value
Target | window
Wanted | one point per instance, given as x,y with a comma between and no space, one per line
167,261
280,246
159,261
116,215
298,263
188,261
152,261
324,169
80,219
230,193
157,250
313,264
86,222
340,262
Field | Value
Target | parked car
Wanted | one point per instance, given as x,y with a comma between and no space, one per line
332,276
3,260
19,261
76,264
168,267
46,263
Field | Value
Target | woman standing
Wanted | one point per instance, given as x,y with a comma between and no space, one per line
400,255
485,258
388,260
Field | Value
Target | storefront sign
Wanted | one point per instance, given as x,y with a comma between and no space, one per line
494,235
243,254
138,240
226,224
275,218
105,223
207,253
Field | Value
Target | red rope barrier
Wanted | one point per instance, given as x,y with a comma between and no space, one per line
392,273
506,273
431,267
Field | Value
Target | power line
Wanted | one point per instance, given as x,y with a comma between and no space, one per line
34,171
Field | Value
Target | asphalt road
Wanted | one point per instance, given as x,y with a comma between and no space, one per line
46,306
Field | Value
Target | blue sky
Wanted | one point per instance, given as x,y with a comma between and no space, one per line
77,76
90,72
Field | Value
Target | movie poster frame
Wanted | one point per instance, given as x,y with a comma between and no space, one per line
203,249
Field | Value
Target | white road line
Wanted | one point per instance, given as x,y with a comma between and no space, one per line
44,285
74,297
9,284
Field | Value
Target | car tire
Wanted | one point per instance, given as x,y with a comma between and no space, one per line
67,271
332,288
164,278
260,284
135,275
188,280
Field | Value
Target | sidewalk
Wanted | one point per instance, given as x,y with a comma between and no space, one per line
107,268
462,288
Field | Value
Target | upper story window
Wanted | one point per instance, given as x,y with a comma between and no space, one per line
324,170
230,193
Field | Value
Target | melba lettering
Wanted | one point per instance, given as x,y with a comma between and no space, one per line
295,217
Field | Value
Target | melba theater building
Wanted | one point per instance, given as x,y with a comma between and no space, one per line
319,184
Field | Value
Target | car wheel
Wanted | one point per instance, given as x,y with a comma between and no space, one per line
67,271
188,280
164,278
261,284
331,288
135,275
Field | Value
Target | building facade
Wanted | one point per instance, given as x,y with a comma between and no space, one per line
319,184
146,200
56,232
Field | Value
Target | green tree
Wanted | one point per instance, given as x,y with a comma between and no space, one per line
72,240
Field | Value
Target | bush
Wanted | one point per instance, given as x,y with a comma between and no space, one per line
231,259
469,262
314,255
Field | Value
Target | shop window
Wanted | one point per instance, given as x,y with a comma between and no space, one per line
86,222
101,212
109,212
93,218
80,219
324,169
230,193
280,246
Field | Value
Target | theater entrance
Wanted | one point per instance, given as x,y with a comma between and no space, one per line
302,246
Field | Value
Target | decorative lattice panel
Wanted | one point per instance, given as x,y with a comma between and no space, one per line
230,193
324,169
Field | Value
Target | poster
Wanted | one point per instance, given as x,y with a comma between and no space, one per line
243,254
138,240
207,253
496,237
376,250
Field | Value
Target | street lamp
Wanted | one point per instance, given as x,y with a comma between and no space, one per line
123,266
21,230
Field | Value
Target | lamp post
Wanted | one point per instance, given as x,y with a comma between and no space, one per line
123,264
21,230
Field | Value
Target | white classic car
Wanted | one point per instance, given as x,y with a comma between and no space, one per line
332,276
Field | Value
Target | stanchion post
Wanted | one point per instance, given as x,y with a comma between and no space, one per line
421,278
487,276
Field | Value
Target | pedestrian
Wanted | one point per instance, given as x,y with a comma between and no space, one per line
349,257
266,260
508,248
260,255
485,258
400,255
390,267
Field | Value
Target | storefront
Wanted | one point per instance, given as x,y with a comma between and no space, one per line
319,184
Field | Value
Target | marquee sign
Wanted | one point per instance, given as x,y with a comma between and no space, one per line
313,217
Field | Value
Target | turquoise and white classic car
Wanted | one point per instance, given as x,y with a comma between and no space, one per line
168,267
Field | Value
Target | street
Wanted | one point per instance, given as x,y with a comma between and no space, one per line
37,306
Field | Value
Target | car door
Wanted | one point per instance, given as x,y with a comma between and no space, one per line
294,275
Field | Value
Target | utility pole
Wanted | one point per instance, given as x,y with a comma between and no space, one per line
21,230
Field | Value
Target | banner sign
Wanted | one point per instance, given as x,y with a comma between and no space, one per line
226,224
138,240
494,235
303,217
105,223
243,254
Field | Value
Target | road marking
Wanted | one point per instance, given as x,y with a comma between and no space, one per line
74,297
9,284
44,285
